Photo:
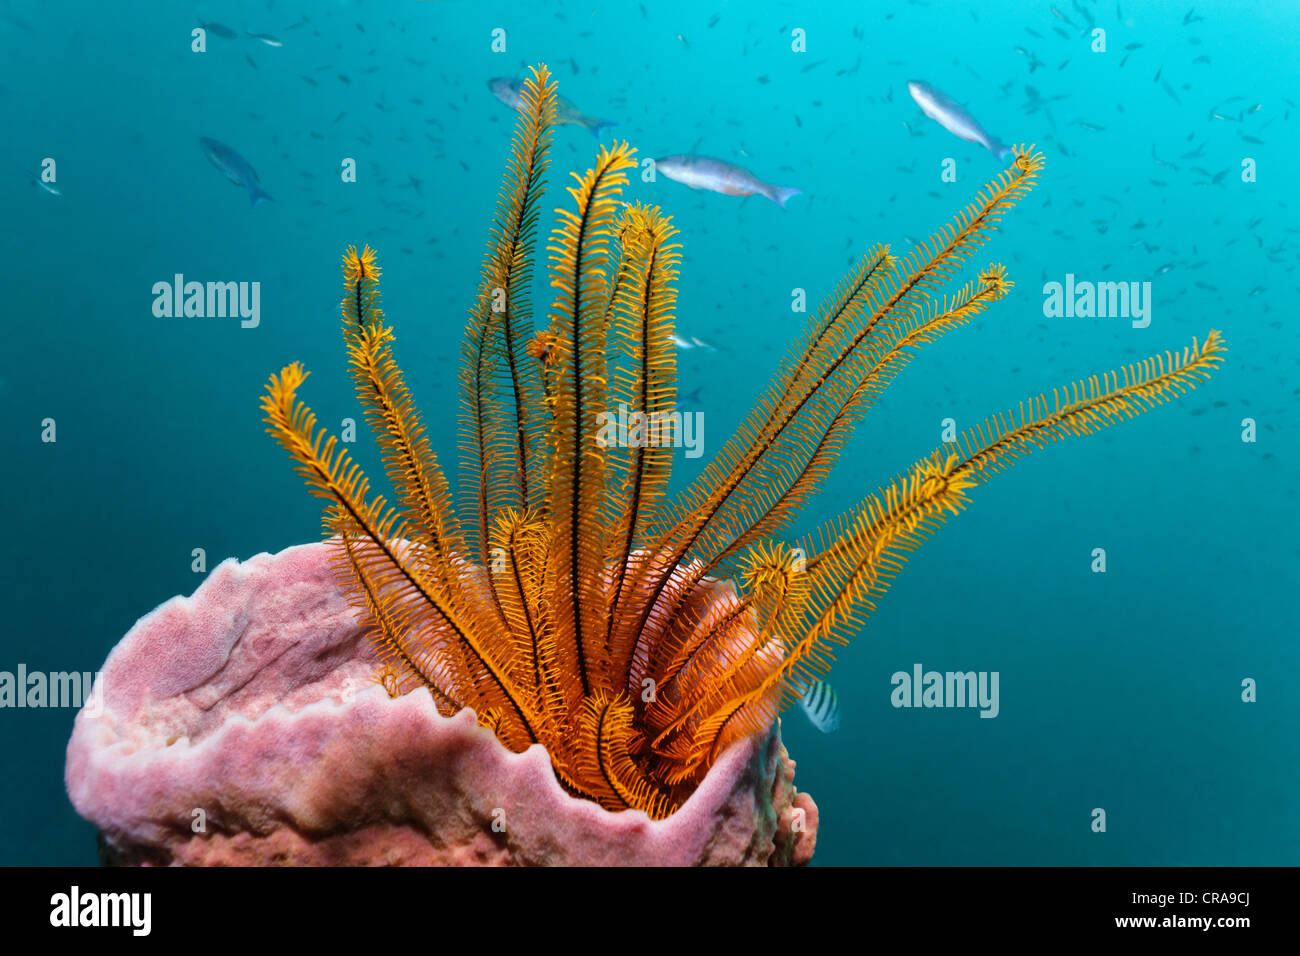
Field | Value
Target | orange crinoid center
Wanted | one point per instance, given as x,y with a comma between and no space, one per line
563,594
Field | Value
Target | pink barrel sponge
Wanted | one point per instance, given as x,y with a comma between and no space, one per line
243,726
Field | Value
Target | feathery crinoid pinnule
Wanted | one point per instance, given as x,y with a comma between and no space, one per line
565,596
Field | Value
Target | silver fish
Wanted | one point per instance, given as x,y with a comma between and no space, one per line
948,114
509,90
235,168
719,176
265,38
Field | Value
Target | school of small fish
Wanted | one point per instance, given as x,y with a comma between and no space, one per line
813,119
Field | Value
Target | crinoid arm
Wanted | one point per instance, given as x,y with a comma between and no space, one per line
503,418
580,256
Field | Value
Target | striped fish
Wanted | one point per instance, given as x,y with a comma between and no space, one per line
822,706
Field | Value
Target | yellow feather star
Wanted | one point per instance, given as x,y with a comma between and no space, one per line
564,598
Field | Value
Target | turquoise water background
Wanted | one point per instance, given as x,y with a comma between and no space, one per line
1119,690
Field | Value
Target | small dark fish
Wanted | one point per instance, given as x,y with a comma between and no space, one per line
1061,16
220,30
235,168
1034,61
